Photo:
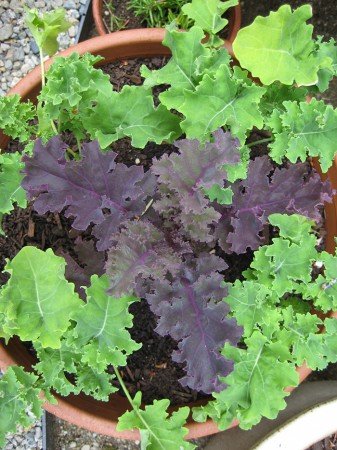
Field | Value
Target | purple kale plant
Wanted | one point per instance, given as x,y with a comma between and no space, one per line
292,189
183,176
141,251
190,309
95,190
159,226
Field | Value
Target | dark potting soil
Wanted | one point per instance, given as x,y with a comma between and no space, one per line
121,11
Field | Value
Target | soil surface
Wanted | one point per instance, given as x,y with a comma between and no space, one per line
121,11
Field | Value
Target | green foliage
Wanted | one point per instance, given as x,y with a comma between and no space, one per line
304,129
18,395
15,117
284,42
131,113
46,28
101,327
158,431
73,85
208,16
222,195
327,50
10,182
37,301
255,387
275,96
156,13
184,70
221,100
279,331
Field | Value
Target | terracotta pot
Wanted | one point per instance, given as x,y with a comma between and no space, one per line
81,410
234,20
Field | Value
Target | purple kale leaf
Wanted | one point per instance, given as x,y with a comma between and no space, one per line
190,309
90,262
141,251
292,189
182,177
93,190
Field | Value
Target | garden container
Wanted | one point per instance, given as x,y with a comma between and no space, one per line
234,19
81,410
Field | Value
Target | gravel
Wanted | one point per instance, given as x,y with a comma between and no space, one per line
25,440
18,51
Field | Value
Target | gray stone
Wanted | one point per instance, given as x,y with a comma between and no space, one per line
72,31
6,32
85,447
18,54
15,5
74,14
69,4
8,64
34,48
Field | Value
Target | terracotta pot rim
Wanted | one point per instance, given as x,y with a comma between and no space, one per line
234,21
83,411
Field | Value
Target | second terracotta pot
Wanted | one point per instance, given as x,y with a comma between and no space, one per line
234,20
83,411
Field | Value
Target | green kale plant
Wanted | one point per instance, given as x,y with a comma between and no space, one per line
166,235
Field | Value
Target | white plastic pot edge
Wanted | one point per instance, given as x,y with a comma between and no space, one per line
304,430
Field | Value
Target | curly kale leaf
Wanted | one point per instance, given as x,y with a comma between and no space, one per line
158,431
141,251
209,16
71,90
101,327
190,61
326,49
304,129
265,192
185,176
256,387
20,402
275,96
130,113
221,98
37,301
46,28
10,183
55,366
280,48
190,310
97,337
16,116
86,187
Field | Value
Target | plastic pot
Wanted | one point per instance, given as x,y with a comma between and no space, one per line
234,19
83,411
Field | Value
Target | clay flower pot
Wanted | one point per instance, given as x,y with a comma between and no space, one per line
84,411
234,20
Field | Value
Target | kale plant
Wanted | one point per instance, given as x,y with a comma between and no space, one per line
174,234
